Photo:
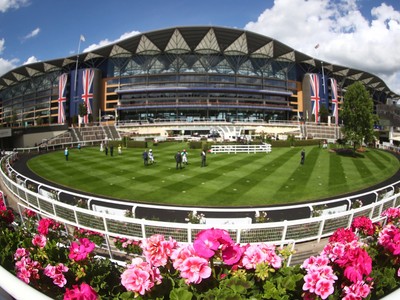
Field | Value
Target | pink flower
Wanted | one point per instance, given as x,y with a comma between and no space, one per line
252,256
29,213
157,250
20,252
82,292
356,263
363,225
43,227
343,235
80,251
324,288
27,269
140,276
208,241
39,240
231,254
195,269
389,238
392,214
357,290
56,273
310,281
180,254
271,257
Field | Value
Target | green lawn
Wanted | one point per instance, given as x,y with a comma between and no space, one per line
228,180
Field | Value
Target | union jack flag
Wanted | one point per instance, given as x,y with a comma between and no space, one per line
314,83
62,83
335,100
87,78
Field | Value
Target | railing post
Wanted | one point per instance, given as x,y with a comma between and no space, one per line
284,231
143,229
320,230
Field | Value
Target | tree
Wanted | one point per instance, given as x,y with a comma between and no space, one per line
82,110
323,114
357,114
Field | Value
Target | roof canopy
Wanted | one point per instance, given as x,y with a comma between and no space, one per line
201,40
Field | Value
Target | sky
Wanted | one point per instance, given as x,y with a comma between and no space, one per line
361,34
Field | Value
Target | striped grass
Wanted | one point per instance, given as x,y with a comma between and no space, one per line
227,180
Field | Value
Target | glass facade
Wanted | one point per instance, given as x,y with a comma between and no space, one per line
187,73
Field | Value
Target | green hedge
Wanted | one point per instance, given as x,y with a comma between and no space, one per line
298,143
200,145
137,144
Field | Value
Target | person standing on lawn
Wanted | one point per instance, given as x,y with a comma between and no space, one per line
178,159
184,157
66,153
145,158
203,158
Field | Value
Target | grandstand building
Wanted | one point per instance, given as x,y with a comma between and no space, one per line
186,74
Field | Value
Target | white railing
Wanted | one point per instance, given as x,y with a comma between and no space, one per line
241,148
300,230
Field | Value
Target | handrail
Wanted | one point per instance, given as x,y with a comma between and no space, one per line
300,230
135,205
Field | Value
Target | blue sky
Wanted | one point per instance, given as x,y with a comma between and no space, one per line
363,34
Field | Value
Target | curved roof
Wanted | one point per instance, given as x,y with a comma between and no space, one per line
200,40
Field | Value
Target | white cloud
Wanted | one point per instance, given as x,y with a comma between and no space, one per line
346,37
7,65
32,34
31,60
106,42
8,4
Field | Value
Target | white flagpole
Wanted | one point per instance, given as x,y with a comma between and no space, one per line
81,38
323,75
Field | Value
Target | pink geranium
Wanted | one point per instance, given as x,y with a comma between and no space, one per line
140,276
324,288
357,290
179,255
195,269
29,213
389,238
82,292
208,241
320,277
39,240
392,214
80,250
364,225
56,273
271,257
231,254
253,256
27,269
47,224
343,235
157,249
20,252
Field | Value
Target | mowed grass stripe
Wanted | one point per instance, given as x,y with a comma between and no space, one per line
267,175
228,180
297,176
337,176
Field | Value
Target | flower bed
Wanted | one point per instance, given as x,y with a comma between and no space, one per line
361,262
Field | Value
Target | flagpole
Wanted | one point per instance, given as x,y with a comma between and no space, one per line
81,39
323,75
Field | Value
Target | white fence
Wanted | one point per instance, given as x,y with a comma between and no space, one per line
300,230
241,148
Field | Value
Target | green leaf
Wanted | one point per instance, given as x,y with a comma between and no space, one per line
180,294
